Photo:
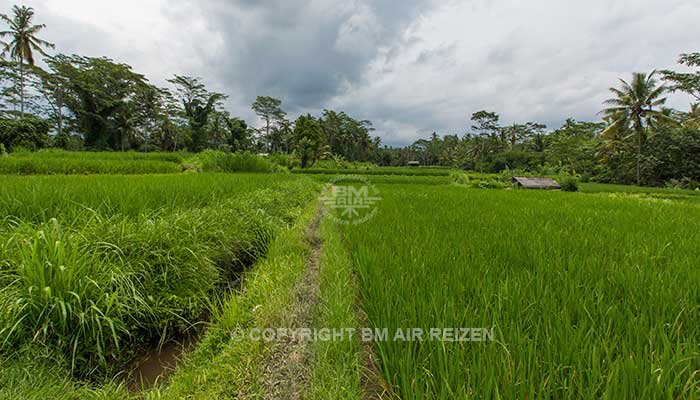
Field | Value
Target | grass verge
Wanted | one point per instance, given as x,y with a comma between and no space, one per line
337,365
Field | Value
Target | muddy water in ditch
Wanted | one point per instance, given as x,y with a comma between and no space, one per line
156,366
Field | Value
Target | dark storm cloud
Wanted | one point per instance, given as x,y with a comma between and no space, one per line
303,52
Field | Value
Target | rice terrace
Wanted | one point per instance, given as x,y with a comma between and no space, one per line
187,237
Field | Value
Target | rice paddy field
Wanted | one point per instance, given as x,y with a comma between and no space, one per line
594,294
590,295
59,162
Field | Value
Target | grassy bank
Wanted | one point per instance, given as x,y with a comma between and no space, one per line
227,361
337,367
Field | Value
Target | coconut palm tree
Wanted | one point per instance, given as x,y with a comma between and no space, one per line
24,41
635,107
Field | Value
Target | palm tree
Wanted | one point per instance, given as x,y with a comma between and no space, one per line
693,117
635,107
24,41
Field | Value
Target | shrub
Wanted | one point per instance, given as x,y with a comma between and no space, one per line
569,184
218,161
30,132
288,161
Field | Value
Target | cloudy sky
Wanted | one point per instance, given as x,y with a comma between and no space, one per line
410,66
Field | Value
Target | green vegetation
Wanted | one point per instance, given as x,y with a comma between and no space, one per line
591,296
227,361
406,171
94,268
217,161
56,162
338,365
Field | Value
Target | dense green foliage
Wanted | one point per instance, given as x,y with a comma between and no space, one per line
217,161
590,295
29,132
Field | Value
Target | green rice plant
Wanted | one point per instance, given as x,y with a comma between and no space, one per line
175,157
589,295
386,179
59,162
55,166
72,199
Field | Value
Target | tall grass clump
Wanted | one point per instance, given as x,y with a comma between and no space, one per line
58,293
569,183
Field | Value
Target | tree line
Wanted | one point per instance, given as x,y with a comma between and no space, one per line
639,140
95,103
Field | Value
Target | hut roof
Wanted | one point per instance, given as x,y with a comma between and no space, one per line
536,183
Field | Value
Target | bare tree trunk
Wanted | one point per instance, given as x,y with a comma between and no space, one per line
21,87
639,156
59,106
267,134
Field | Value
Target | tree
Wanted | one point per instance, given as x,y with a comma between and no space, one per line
24,42
635,107
308,140
332,124
198,105
486,123
686,82
110,102
239,134
50,88
269,110
347,137
574,144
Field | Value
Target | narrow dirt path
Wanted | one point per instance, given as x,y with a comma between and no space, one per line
287,364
